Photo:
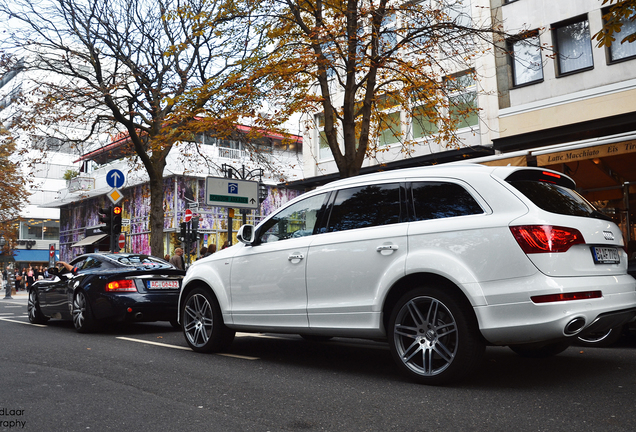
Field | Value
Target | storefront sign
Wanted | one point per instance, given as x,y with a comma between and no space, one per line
606,150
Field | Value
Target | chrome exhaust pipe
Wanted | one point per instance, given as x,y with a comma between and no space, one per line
574,326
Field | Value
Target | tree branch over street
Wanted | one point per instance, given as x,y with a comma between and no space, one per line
355,62
619,13
113,66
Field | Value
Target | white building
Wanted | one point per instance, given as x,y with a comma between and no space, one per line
570,106
475,132
39,228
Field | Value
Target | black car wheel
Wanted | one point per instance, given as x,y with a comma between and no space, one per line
541,350
82,316
202,322
33,308
433,337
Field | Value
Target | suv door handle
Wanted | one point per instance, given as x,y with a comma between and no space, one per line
387,248
296,256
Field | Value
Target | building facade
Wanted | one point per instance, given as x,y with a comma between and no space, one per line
38,227
568,105
475,90
184,189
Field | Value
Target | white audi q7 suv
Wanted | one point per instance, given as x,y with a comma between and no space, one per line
438,261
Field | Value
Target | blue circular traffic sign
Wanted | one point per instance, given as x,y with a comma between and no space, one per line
115,178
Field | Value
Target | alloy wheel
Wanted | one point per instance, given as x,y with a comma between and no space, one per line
198,320
426,336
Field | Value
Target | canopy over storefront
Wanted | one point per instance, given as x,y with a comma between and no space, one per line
90,240
604,170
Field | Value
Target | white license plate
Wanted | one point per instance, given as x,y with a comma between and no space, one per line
163,284
606,255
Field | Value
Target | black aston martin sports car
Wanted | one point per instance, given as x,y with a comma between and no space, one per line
107,288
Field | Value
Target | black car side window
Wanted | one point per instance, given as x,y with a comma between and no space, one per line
91,263
365,206
435,200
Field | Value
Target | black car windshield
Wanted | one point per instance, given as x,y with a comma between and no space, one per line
139,260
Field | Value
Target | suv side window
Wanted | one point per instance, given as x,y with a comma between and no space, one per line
297,220
365,206
435,200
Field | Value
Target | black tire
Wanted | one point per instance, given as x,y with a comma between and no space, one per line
541,349
433,337
602,339
202,322
175,324
33,308
83,319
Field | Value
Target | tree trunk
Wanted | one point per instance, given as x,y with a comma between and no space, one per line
157,216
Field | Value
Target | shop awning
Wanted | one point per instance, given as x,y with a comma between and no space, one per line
90,240
32,255
601,170
509,161
550,157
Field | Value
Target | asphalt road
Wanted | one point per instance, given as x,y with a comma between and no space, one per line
144,378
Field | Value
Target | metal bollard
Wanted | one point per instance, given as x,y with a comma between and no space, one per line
7,290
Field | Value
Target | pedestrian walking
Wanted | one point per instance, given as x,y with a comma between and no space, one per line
177,259
18,279
30,277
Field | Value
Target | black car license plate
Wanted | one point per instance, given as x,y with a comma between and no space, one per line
162,284
606,255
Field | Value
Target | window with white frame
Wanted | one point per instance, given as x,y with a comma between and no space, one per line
424,120
623,51
574,46
525,52
462,100
389,120
323,150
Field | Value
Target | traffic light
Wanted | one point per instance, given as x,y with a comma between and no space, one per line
115,229
116,221
194,235
183,231
262,192
106,217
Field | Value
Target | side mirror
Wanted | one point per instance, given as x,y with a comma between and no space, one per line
54,271
246,234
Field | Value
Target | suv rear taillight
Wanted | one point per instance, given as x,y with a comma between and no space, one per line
126,285
546,238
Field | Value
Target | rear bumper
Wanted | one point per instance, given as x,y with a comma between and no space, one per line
515,319
607,321
136,307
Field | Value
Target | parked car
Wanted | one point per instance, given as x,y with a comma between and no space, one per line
107,288
437,261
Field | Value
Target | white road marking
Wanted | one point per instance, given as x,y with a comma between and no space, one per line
21,322
183,348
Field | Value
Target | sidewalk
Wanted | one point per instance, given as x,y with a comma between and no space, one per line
17,295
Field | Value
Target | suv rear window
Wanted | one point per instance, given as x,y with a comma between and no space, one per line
552,193
433,200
